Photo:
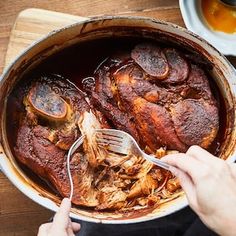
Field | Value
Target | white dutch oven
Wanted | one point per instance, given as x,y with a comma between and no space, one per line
223,73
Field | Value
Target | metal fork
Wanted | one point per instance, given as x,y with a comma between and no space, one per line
117,141
71,151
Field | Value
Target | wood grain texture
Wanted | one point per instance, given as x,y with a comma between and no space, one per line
32,24
9,9
20,216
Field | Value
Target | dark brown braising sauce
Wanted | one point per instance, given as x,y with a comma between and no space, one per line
75,64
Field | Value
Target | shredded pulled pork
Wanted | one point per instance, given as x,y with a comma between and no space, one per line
122,182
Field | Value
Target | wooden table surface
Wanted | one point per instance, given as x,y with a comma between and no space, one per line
19,215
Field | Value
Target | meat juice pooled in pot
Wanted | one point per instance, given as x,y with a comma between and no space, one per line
155,92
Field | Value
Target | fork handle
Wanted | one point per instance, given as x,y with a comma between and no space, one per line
156,161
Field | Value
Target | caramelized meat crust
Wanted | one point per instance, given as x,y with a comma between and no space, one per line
152,120
119,119
43,140
165,113
151,59
179,68
156,94
195,122
105,97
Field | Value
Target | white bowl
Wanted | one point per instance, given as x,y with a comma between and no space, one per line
194,21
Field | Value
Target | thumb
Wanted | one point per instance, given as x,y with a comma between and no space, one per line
61,218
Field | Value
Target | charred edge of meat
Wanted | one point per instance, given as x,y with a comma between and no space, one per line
179,68
151,59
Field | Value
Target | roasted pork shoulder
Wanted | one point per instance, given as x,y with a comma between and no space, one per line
156,94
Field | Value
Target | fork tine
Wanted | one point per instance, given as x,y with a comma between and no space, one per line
120,142
115,137
108,137
107,141
114,140
117,149
111,132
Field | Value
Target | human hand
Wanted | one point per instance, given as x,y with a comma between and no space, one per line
61,225
210,187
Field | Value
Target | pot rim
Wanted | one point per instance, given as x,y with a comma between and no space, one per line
32,193
111,17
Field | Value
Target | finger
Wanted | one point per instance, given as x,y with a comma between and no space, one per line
185,163
187,185
69,229
70,233
232,167
75,227
43,229
201,154
185,180
61,219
